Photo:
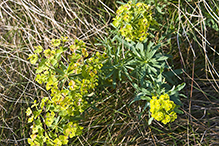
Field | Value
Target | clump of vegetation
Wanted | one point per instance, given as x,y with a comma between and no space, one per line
133,56
123,87
70,80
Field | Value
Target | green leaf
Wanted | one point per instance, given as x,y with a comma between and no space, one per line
140,46
137,98
180,87
162,58
145,98
121,3
56,120
151,54
110,74
159,9
53,61
176,100
129,67
178,111
122,41
175,90
63,67
136,86
150,121
146,105
127,73
59,71
152,69
145,91
183,95
136,53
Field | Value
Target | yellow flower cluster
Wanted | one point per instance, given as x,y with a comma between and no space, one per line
162,109
133,20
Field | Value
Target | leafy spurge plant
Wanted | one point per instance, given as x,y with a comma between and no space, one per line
141,61
69,79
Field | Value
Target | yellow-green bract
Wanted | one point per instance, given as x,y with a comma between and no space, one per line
162,109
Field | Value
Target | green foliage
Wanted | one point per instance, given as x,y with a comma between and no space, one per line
136,61
143,64
117,65
70,80
148,61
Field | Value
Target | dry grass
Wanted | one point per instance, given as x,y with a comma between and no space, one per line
27,23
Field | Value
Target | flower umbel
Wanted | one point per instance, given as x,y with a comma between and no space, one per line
162,109
133,21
